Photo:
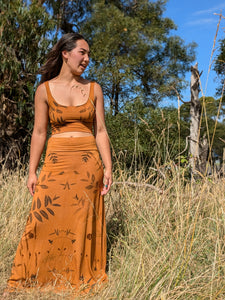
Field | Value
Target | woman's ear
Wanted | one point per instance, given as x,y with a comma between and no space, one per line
65,55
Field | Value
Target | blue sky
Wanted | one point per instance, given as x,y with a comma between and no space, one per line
196,22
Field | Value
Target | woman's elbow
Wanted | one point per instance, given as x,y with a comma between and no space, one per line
40,132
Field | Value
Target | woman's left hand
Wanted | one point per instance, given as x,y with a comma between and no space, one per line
107,181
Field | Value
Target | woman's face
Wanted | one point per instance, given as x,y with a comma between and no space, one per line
78,58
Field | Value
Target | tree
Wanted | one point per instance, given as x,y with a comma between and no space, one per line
23,44
208,123
133,53
195,113
143,136
68,14
220,66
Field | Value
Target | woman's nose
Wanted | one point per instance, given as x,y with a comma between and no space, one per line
86,58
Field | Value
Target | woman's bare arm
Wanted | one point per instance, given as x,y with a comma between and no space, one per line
38,136
102,139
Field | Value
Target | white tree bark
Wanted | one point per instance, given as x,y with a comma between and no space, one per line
195,112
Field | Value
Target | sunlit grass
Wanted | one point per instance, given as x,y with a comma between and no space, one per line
162,244
166,233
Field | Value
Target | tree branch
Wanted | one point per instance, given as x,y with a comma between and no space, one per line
178,95
187,138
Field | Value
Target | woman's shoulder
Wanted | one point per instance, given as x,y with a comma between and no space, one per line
97,87
41,91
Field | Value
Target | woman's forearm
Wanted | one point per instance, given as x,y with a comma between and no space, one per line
36,149
102,142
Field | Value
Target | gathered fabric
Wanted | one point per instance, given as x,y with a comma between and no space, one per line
64,241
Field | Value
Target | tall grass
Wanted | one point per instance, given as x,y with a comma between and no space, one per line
163,243
166,233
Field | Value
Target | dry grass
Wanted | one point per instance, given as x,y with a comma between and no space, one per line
166,234
167,245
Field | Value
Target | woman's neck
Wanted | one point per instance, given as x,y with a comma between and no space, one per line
66,76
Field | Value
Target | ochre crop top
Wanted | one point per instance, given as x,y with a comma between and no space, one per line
71,118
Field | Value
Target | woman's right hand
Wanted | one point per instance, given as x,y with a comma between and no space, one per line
31,183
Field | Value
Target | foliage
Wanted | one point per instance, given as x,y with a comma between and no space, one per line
68,15
24,41
142,136
220,66
209,121
133,53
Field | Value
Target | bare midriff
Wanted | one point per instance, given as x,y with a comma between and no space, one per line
72,134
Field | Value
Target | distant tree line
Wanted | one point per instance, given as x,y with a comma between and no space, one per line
134,57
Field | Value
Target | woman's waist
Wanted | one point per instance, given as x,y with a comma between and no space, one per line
71,134
71,143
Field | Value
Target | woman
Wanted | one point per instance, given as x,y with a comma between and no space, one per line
64,242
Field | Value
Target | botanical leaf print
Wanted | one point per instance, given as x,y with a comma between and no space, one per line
89,187
91,180
38,203
67,185
43,178
86,156
50,211
43,186
78,201
37,216
64,241
55,103
44,214
44,209
53,157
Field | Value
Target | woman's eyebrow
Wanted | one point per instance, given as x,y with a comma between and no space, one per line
85,50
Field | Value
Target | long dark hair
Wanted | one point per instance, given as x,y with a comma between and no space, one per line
54,61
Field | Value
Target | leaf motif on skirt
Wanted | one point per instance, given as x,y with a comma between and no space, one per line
34,205
50,211
30,217
43,186
44,214
93,178
46,200
43,178
37,216
89,187
38,203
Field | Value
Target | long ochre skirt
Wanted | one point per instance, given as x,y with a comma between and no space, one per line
64,242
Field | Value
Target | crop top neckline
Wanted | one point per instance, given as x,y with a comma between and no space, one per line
69,106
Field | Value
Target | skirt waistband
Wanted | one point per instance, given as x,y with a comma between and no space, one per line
70,144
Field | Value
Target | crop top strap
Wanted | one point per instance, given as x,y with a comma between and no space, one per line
92,94
49,95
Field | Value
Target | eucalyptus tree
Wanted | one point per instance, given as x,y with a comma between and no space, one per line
23,42
134,53
68,14
220,67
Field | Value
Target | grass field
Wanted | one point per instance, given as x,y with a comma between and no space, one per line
164,241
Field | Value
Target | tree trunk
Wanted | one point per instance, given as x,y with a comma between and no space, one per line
203,155
195,112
